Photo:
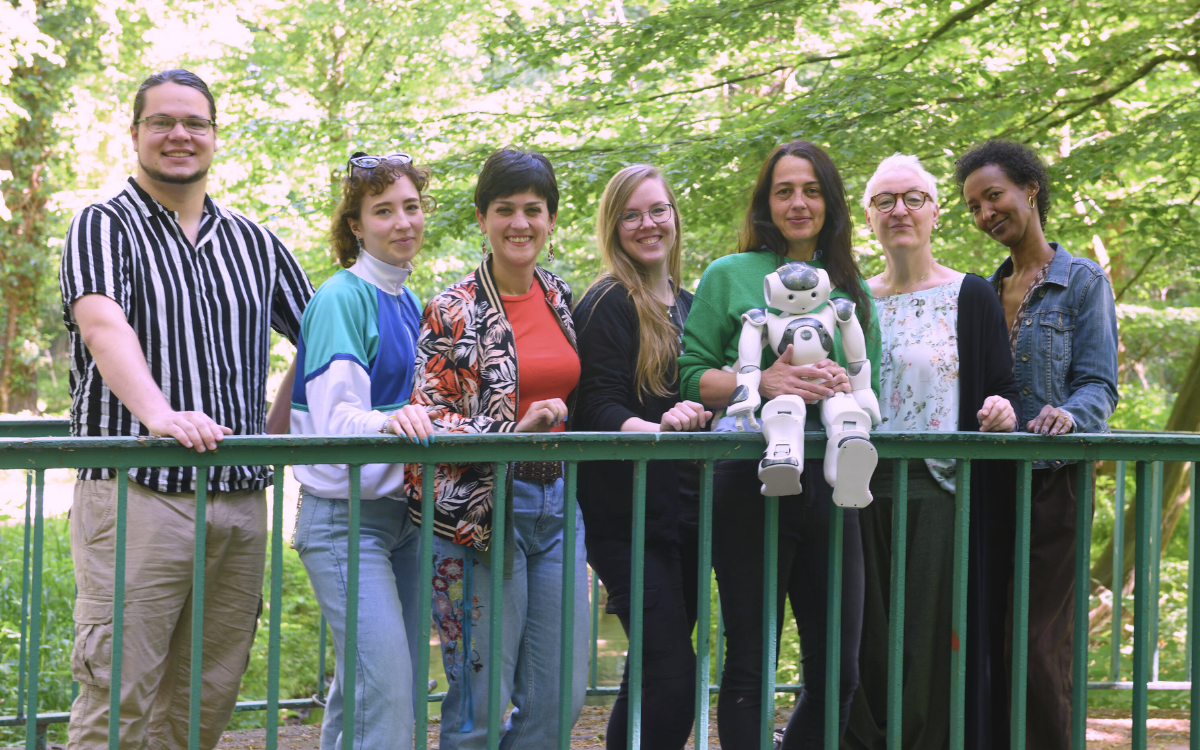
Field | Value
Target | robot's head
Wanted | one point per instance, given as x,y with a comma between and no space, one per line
796,287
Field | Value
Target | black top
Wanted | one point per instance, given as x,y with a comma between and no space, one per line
606,325
984,358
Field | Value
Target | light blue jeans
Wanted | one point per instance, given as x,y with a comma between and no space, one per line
389,556
532,626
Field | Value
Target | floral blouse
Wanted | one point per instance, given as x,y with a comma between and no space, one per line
918,375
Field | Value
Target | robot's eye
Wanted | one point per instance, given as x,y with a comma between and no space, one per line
791,296
814,295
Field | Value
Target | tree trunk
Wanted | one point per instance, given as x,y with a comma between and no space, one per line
1185,417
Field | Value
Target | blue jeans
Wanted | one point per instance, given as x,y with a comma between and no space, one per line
385,686
532,622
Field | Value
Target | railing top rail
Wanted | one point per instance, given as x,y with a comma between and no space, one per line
124,452
27,428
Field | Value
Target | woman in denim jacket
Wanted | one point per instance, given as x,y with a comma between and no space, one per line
1063,332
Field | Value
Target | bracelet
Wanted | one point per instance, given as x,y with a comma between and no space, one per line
386,427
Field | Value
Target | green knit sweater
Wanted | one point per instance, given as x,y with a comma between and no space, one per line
731,286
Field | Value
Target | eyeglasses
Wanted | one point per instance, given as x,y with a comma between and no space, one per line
659,214
164,124
370,162
913,199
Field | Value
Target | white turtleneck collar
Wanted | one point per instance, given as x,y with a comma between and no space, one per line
387,277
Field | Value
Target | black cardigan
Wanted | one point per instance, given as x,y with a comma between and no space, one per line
606,327
986,369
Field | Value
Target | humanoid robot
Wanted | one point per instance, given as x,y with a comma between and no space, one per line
801,291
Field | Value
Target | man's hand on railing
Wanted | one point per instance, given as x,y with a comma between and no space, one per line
685,416
1051,421
192,429
411,421
997,415
543,416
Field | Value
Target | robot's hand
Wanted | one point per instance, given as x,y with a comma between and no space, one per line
865,398
742,405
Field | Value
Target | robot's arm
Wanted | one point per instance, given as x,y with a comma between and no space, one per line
858,367
745,399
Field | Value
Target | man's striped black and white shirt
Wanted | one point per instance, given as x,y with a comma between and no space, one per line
203,316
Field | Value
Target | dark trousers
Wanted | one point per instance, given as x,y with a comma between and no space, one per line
738,514
669,614
1051,608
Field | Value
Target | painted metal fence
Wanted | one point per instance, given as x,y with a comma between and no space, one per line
19,449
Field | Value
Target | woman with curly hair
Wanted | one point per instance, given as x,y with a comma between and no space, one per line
497,355
354,377
1062,331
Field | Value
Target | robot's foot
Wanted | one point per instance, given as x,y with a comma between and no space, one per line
780,476
856,461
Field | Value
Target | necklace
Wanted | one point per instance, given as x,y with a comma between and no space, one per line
900,290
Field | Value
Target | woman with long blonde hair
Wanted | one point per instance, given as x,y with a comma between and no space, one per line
629,326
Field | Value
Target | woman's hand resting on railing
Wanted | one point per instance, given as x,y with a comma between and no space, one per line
685,416
412,421
1051,421
997,415
543,416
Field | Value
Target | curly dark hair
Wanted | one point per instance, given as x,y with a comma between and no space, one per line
359,183
1019,162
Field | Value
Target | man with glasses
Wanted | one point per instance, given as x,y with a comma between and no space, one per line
170,299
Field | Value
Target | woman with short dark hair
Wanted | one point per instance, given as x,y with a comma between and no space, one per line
354,377
798,212
497,355
1062,331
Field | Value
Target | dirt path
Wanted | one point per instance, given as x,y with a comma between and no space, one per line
1107,730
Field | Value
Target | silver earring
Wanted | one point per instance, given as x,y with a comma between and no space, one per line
359,240
483,246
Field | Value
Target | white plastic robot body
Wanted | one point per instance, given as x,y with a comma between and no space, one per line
801,291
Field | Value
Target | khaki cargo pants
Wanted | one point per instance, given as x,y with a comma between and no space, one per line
156,651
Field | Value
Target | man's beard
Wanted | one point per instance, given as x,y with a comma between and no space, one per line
173,179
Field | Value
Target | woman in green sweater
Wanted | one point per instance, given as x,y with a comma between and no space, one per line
798,211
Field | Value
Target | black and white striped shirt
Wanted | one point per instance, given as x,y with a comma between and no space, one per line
202,315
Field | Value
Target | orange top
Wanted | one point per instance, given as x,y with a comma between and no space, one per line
547,365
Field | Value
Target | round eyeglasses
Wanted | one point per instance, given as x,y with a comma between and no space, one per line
370,162
913,199
659,214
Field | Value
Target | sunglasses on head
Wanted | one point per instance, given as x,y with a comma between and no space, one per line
364,161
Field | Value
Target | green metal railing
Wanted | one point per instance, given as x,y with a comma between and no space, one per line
1147,451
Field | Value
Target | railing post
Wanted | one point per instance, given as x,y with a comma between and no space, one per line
566,652
118,623
350,647
198,564
321,646
1083,549
1020,620
32,735
962,547
593,665
276,620
425,603
703,604
496,619
1118,571
895,710
636,606
770,615
25,562
1193,643
1156,492
1141,602
833,630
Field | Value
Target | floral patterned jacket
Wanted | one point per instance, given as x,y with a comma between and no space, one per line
466,378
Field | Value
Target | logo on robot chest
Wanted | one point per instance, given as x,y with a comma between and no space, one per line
805,329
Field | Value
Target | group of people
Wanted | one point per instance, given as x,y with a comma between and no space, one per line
169,298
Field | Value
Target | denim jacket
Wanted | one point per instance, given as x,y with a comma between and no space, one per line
1067,347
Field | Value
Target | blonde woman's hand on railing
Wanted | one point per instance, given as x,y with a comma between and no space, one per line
685,416
1051,421
997,415
543,416
412,421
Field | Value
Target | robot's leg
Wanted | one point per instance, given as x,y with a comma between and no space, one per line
850,459
783,427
